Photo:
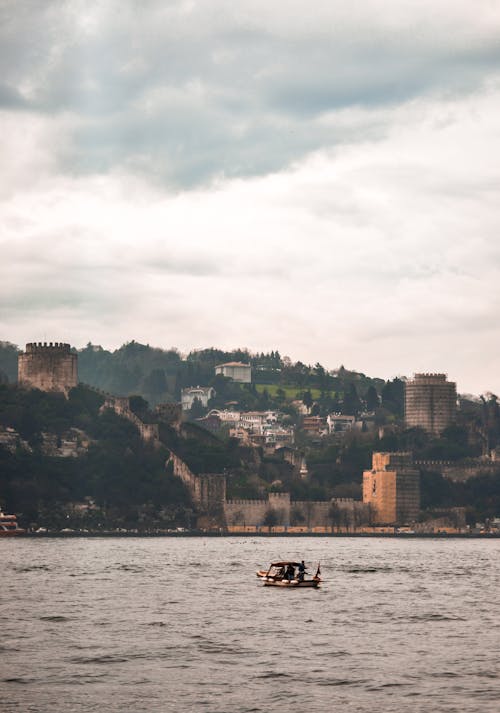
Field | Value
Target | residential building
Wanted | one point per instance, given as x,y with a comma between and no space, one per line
236,370
339,423
230,418
314,425
277,435
202,393
256,420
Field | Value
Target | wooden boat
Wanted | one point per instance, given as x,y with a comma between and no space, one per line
9,526
276,576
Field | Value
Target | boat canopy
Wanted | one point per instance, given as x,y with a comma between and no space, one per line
284,564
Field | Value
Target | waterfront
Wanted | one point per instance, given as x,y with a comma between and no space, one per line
182,624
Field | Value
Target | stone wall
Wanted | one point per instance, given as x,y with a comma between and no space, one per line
309,514
208,490
460,470
48,367
392,488
149,432
430,402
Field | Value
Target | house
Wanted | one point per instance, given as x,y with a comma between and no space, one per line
202,393
314,425
230,418
339,423
236,370
256,420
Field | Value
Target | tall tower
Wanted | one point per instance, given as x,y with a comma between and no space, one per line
430,402
48,367
392,488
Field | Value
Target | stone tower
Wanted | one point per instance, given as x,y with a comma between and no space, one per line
48,367
430,402
392,488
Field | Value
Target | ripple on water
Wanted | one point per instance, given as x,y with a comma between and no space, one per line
146,628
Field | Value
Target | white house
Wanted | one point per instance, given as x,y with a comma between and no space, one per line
202,393
236,370
229,417
339,423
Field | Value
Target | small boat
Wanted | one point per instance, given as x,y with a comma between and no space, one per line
9,526
280,574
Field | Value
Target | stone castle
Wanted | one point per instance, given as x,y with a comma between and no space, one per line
48,367
392,488
430,402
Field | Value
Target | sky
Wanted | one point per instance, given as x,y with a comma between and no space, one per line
320,178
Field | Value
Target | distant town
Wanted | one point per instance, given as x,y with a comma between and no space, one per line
147,440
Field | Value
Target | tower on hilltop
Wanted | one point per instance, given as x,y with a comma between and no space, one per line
48,367
430,402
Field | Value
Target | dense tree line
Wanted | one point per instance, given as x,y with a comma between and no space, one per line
122,478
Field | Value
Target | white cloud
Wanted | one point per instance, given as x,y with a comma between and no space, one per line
322,183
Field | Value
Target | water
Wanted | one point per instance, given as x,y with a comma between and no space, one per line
166,624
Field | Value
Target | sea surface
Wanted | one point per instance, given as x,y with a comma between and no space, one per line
183,624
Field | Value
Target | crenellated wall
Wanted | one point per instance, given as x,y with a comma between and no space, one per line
48,366
287,512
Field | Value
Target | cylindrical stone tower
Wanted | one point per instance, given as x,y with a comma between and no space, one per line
430,402
48,367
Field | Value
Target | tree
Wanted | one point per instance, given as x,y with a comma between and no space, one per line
393,396
155,383
334,515
280,396
351,404
372,399
270,518
307,399
196,410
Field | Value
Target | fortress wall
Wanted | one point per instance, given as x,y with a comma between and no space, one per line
182,471
149,432
245,512
209,491
313,513
460,471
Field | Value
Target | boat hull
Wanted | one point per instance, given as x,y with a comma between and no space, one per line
293,584
12,533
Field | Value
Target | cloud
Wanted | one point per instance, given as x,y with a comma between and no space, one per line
186,93
324,182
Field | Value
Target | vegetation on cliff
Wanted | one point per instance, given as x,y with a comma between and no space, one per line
117,482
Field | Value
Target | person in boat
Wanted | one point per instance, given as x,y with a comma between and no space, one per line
290,572
301,571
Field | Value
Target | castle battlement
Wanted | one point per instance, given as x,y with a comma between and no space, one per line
43,347
48,366
430,375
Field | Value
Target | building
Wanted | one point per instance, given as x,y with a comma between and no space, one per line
314,425
339,423
48,367
236,370
277,435
430,402
229,418
202,393
392,488
256,420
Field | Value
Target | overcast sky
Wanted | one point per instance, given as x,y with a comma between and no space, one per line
320,178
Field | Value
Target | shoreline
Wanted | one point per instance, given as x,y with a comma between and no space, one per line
384,535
